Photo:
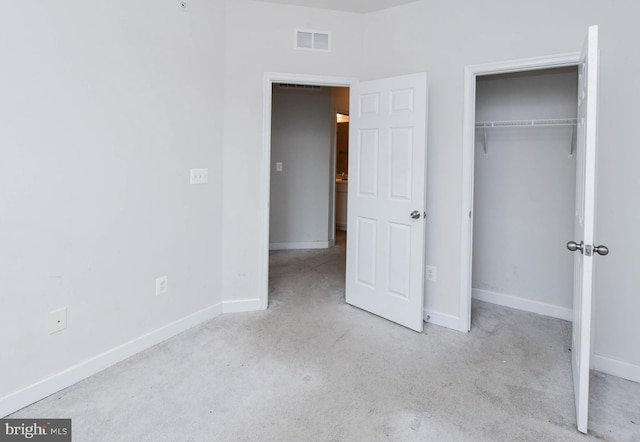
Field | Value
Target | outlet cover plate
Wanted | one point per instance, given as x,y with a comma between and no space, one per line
57,320
162,285
430,273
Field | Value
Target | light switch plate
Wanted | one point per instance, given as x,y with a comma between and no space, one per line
199,176
278,167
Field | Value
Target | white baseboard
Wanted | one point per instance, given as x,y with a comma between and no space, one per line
615,367
244,305
444,320
45,387
299,245
527,305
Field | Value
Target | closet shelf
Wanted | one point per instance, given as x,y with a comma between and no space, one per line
527,123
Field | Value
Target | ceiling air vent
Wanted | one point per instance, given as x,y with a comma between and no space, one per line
312,40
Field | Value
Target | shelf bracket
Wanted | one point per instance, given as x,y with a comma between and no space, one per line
571,142
486,149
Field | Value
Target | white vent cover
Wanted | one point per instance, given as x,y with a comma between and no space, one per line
312,40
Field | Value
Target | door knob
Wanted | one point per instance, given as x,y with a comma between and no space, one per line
601,250
415,214
571,245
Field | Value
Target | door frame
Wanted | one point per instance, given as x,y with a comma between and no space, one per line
265,163
471,72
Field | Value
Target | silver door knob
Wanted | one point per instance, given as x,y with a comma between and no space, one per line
601,250
571,245
415,214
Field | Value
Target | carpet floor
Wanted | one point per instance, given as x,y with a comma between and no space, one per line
312,368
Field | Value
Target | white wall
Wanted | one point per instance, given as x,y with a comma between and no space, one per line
105,106
524,191
300,140
442,39
256,45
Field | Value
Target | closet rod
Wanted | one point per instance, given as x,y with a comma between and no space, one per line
527,123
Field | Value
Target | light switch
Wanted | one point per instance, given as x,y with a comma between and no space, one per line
278,167
199,176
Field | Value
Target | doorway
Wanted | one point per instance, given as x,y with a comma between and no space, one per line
524,190
391,123
268,161
304,175
587,62
472,74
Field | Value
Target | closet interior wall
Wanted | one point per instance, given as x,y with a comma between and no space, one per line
524,190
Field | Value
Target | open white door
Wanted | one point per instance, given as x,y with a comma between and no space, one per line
584,224
386,200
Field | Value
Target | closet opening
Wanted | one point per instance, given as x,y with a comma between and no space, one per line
524,175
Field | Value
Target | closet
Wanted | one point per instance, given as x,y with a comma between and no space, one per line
524,190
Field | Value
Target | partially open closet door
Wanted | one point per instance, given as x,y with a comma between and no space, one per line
583,241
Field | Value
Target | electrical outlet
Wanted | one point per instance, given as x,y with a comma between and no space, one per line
278,167
430,274
162,285
57,320
199,176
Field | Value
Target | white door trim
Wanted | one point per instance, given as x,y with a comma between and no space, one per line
265,167
468,142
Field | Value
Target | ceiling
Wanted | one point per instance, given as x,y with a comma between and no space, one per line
362,6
